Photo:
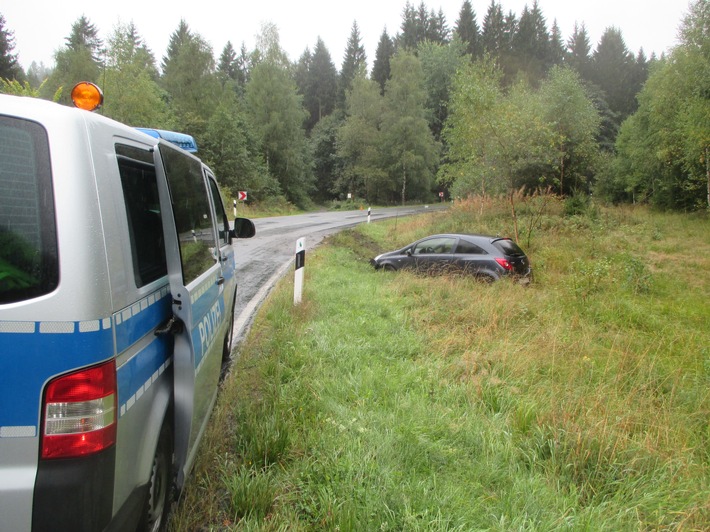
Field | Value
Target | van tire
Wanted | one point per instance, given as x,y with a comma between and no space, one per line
159,497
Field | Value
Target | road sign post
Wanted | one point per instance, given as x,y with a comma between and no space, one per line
300,262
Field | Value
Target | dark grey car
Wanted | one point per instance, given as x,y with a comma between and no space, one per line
487,257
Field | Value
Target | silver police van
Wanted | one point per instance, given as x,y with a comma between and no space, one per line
117,290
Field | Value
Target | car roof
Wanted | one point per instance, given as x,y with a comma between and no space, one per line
464,235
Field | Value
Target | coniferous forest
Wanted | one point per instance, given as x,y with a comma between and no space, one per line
491,103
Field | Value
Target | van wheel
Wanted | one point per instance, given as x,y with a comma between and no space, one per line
160,487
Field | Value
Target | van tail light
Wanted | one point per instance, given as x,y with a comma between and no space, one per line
504,263
80,412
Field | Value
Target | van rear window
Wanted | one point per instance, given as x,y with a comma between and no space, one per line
29,263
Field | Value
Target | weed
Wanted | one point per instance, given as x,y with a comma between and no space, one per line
411,402
251,493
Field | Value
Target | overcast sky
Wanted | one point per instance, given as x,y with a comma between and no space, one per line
41,26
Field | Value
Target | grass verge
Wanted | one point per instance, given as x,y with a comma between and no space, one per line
406,402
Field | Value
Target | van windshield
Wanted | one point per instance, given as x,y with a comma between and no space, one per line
29,265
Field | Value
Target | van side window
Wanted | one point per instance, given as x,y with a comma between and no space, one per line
29,261
145,225
192,211
222,220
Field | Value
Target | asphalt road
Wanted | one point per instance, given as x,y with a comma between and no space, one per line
265,258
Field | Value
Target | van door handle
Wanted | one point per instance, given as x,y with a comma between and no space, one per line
173,326
220,280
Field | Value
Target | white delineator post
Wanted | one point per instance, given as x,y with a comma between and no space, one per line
368,215
300,262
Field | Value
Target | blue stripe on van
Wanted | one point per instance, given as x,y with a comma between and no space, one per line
134,322
31,353
137,375
208,312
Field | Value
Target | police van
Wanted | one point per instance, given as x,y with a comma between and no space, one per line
117,290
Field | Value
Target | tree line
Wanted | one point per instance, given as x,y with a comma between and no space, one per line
487,108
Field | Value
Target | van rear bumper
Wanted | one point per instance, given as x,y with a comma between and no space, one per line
74,494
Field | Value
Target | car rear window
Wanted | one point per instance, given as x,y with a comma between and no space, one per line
29,265
508,247
468,248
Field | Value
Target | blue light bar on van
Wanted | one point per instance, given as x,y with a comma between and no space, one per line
186,142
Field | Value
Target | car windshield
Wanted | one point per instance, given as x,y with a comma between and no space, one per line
508,247
28,242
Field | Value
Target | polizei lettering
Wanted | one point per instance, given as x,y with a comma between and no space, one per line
208,327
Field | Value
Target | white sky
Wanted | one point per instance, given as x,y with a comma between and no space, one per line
41,26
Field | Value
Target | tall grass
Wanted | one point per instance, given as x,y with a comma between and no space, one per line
406,402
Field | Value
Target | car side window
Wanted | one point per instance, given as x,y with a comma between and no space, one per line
222,220
465,247
435,246
145,224
192,211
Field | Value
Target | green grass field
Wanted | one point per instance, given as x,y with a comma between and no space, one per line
395,401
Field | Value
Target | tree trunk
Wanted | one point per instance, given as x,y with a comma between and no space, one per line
707,171
515,215
404,183
562,175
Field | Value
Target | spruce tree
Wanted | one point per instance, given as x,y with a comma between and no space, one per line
300,71
579,51
467,29
9,66
437,28
189,77
556,50
531,44
383,55
37,74
79,60
84,35
359,142
410,153
321,85
129,81
227,66
179,37
276,111
612,67
243,66
493,35
355,58
409,35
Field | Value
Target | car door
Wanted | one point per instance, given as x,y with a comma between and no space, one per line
433,254
197,289
471,258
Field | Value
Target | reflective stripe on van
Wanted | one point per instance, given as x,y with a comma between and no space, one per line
51,348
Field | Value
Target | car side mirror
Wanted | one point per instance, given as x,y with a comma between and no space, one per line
409,252
243,228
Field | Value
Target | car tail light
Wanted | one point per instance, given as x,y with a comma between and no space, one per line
504,263
80,413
